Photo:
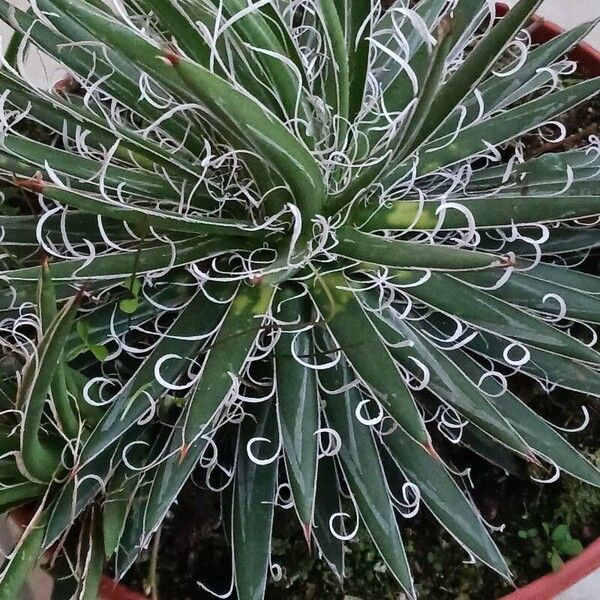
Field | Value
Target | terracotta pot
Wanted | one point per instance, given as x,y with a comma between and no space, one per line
110,590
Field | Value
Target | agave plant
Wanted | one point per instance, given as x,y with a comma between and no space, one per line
289,247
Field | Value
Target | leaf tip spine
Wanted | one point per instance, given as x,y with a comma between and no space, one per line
185,449
34,184
307,531
170,57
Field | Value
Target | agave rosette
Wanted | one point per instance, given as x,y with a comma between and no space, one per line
306,230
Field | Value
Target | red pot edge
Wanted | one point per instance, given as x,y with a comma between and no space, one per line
573,571
578,568
585,55
111,590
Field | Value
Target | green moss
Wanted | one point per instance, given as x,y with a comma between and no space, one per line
579,505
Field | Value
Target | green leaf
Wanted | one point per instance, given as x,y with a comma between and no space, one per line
345,318
449,383
120,265
561,533
253,503
12,50
100,352
179,24
362,468
556,562
333,22
571,547
81,489
93,564
246,59
59,114
477,63
132,538
257,32
501,128
396,83
561,240
226,357
326,505
297,400
486,312
120,493
450,149
129,305
39,458
18,493
356,21
529,292
497,92
491,451
501,211
433,82
444,498
132,401
128,533
133,285
410,255
76,382
47,310
263,133
237,114
535,431
545,174
35,156
83,329
276,21
146,216
564,276
106,320
169,479
20,231
547,367
119,76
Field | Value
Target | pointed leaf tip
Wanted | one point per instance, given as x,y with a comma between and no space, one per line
170,57
432,451
533,459
32,184
185,449
307,531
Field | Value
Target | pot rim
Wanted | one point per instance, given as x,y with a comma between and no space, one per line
551,585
